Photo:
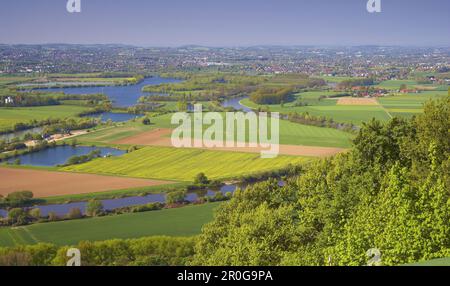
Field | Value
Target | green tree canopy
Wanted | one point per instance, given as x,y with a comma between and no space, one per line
390,192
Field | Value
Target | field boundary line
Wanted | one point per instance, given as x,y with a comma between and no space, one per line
385,109
16,236
32,236
13,238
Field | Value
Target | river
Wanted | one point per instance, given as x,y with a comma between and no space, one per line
236,104
121,96
59,155
64,209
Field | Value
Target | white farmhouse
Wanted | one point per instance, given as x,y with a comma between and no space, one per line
9,100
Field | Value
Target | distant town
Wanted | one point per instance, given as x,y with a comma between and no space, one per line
382,63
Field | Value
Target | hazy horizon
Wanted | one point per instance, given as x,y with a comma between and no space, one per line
232,23
232,46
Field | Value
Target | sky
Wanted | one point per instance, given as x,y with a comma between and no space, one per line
226,22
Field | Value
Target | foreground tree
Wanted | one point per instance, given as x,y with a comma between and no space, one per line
389,193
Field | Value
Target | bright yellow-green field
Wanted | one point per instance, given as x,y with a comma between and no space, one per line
184,164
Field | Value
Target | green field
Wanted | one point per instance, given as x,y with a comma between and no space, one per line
403,105
11,116
297,134
434,262
406,105
184,164
114,133
290,133
328,108
186,221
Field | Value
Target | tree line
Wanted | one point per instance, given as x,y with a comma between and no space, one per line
43,99
149,251
347,84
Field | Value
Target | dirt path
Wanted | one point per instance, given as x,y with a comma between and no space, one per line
47,184
161,137
59,137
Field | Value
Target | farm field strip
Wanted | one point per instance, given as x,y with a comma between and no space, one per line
167,163
48,184
159,137
406,105
185,221
357,101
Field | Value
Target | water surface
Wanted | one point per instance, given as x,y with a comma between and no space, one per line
236,104
121,96
20,134
63,209
59,155
114,117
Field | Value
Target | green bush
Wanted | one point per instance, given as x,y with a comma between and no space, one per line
94,208
176,197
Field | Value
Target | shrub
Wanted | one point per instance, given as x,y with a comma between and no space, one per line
147,207
18,199
94,208
74,213
17,216
201,180
52,216
146,121
35,213
175,197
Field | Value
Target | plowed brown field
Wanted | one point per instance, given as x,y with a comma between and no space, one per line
47,184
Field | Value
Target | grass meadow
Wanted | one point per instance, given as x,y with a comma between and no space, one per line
11,116
185,221
406,105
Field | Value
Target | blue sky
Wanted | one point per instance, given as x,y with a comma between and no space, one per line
226,22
